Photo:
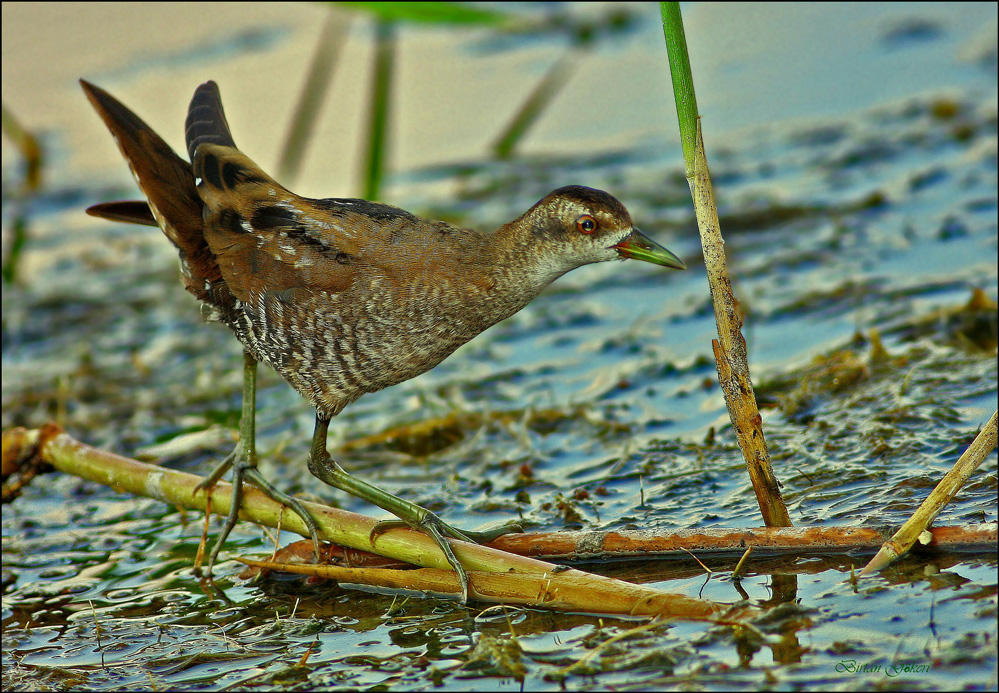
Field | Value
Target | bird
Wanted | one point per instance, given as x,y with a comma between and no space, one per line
343,296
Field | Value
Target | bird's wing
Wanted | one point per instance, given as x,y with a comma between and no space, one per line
267,239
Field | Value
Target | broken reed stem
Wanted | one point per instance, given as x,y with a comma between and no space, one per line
523,581
903,540
729,543
730,347
565,590
549,586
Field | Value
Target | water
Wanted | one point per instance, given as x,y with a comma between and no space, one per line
853,151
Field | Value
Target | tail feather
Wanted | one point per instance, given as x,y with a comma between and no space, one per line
206,122
168,184
126,211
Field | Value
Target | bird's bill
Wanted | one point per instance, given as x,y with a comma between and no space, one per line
638,246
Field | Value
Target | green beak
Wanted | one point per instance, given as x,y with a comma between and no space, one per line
638,246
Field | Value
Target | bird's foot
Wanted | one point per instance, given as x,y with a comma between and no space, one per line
430,523
324,468
244,468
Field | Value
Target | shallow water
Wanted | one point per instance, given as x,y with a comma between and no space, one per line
860,199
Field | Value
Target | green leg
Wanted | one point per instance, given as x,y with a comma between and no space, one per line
411,514
243,460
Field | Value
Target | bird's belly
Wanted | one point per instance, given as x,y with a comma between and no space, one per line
334,351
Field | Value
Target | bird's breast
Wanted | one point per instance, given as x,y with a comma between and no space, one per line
383,330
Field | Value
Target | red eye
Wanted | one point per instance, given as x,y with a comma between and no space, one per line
586,224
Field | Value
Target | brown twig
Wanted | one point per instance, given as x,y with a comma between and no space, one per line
730,349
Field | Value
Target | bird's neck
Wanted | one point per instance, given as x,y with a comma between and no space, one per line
527,258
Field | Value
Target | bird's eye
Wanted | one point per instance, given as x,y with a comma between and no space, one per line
586,224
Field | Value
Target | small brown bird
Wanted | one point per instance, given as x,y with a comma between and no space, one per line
343,296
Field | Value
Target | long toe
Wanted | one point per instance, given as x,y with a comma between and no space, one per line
439,530
484,536
289,502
